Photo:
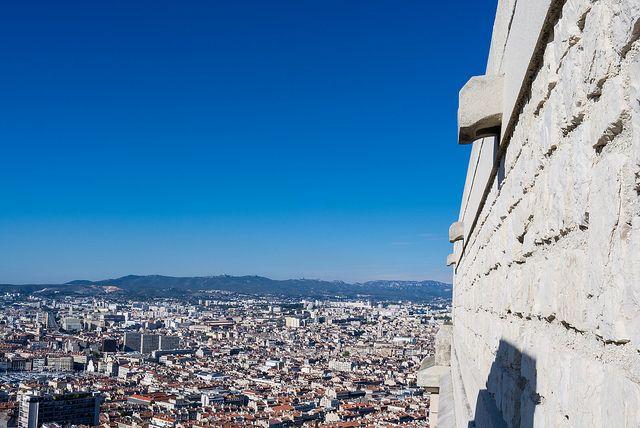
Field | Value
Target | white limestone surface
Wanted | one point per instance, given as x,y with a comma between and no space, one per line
547,289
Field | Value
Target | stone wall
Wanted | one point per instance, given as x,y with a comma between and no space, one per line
547,275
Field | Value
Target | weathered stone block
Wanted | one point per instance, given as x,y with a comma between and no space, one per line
480,108
451,259
430,378
456,231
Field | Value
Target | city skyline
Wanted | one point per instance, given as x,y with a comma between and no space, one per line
279,139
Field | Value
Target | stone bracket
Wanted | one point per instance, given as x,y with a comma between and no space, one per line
481,103
451,259
456,232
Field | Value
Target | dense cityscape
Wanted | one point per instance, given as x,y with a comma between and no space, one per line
229,360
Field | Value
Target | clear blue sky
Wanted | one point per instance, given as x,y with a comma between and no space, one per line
286,139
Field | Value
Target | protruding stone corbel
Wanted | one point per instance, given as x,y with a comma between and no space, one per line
451,259
456,231
480,108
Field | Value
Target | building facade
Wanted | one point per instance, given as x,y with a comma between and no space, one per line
60,363
149,343
75,408
167,343
71,324
132,341
546,321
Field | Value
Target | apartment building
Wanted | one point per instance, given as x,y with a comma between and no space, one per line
75,408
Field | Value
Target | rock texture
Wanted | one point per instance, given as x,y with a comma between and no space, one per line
547,287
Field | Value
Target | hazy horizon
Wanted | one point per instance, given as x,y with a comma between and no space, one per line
213,276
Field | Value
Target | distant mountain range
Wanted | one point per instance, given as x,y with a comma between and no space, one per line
150,286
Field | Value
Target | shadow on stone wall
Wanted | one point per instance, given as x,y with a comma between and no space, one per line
510,398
